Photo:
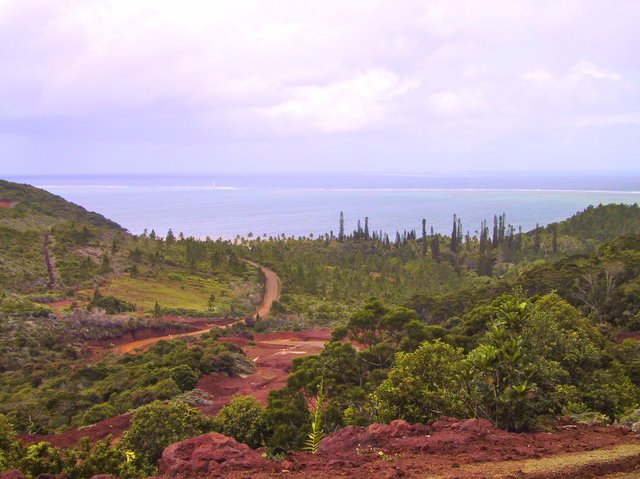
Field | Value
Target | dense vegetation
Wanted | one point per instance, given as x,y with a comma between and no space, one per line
515,327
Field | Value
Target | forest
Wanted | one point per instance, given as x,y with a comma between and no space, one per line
516,327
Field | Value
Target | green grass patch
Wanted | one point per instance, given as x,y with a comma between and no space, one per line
178,291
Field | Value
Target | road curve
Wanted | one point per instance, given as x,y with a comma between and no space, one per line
271,293
271,289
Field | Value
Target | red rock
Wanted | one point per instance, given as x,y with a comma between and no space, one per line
12,474
477,426
103,476
208,454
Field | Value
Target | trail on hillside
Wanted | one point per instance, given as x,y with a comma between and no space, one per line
271,289
271,293
48,259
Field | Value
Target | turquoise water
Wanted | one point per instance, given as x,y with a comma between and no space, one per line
227,206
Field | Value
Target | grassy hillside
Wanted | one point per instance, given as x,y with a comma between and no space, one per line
36,209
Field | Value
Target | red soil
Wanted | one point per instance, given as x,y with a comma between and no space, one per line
7,204
629,335
114,426
272,354
273,366
451,449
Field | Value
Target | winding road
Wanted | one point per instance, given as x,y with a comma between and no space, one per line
271,293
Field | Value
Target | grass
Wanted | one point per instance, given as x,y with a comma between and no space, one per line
554,464
177,291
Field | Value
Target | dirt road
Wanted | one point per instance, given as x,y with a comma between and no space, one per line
271,289
271,294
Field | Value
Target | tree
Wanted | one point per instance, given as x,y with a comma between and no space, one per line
424,237
170,239
158,424
422,386
157,310
243,419
184,377
454,236
341,228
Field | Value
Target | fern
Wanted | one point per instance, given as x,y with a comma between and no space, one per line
317,433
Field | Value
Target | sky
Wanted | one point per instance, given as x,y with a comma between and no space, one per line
243,86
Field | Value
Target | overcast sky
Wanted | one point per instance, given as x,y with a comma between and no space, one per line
98,86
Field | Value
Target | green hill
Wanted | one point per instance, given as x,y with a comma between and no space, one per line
35,209
26,215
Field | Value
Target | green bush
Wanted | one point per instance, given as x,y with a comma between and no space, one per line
156,425
243,419
98,413
184,377
422,385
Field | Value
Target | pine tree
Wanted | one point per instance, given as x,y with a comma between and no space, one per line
341,228
424,237
554,244
366,227
157,310
454,235
495,231
170,239
435,247
536,239
519,239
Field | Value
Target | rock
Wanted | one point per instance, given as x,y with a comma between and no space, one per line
45,475
208,454
477,426
397,428
12,474
103,476
346,440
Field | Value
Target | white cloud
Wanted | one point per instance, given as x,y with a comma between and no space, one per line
366,100
214,70
603,120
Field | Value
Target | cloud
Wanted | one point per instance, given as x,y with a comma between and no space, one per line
367,100
427,77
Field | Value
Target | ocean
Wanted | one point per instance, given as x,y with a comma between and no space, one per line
230,205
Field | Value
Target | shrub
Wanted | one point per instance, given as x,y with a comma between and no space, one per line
243,419
156,425
98,413
185,377
422,385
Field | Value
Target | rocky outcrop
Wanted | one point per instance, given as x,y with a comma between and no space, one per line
351,438
208,455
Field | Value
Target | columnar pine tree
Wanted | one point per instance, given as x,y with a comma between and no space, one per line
536,239
495,231
341,228
519,240
366,227
424,237
454,235
435,245
554,245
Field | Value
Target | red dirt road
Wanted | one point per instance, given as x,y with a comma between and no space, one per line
271,294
